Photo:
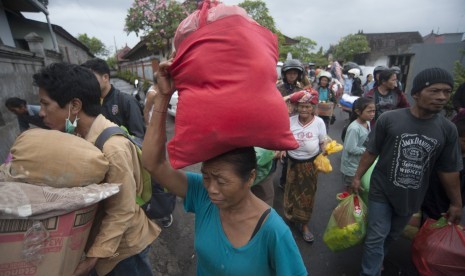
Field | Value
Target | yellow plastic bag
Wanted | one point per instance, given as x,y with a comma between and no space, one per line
333,147
322,164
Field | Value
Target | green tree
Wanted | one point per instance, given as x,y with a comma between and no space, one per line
260,13
351,45
319,58
157,21
301,50
94,44
112,62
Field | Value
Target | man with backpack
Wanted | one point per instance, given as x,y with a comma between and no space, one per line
121,236
123,110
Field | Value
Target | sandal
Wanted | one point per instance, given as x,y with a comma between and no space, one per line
307,236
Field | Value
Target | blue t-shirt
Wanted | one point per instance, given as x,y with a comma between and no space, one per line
272,251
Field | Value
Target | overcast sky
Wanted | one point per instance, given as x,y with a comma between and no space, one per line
324,21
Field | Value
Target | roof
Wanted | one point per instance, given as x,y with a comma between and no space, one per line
122,52
385,41
57,29
139,51
290,41
443,38
24,6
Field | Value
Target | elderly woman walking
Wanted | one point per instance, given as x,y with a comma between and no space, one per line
310,131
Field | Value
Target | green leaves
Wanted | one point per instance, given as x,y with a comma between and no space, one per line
157,20
94,44
351,45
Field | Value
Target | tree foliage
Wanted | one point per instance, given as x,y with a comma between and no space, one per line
94,44
301,50
260,13
112,62
351,45
156,21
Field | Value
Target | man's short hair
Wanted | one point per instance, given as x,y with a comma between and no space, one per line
15,102
98,66
64,82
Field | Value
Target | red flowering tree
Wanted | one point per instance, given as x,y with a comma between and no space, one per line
156,21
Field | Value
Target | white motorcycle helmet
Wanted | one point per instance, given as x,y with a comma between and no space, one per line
355,72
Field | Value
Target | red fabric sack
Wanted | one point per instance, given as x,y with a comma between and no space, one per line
225,74
439,249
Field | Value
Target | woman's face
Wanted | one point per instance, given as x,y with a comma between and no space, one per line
291,75
370,78
305,110
224,186
53,115
323,81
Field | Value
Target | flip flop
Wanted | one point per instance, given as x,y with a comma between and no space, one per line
307,236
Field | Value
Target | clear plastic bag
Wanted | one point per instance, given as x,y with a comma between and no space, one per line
347,224
34,242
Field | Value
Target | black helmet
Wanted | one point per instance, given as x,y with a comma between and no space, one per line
379,69
396,69
292,64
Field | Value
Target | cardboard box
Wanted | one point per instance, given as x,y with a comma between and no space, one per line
62,250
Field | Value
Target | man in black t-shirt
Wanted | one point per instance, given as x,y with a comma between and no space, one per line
409,143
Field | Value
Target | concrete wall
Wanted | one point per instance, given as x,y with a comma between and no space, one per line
16,70
71,53
434,55
144,68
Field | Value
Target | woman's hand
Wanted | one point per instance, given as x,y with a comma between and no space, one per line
164,80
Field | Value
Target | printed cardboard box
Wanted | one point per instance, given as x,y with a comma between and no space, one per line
62,250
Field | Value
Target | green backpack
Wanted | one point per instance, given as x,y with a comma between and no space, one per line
146,194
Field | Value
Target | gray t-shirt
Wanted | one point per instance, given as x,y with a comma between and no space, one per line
409,148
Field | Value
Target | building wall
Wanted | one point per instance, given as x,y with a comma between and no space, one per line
20,28
434,55
71,53
5,31
16,70
144,68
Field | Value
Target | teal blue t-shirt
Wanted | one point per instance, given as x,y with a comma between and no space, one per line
272,251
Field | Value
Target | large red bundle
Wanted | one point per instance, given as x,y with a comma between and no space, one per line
225,73
439,249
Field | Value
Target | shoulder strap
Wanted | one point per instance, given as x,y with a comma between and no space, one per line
107,133
260,222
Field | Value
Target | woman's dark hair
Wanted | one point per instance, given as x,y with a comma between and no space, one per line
460,125
97,65
385,76
366,82
64,82
360,104
244,160
15,102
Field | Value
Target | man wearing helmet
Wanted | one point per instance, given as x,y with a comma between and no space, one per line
356,89
292,73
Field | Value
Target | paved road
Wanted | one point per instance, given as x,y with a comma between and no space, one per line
173,252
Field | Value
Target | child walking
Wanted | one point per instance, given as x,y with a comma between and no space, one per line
363,111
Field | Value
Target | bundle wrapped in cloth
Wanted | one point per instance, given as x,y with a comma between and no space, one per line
54,158
225,73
